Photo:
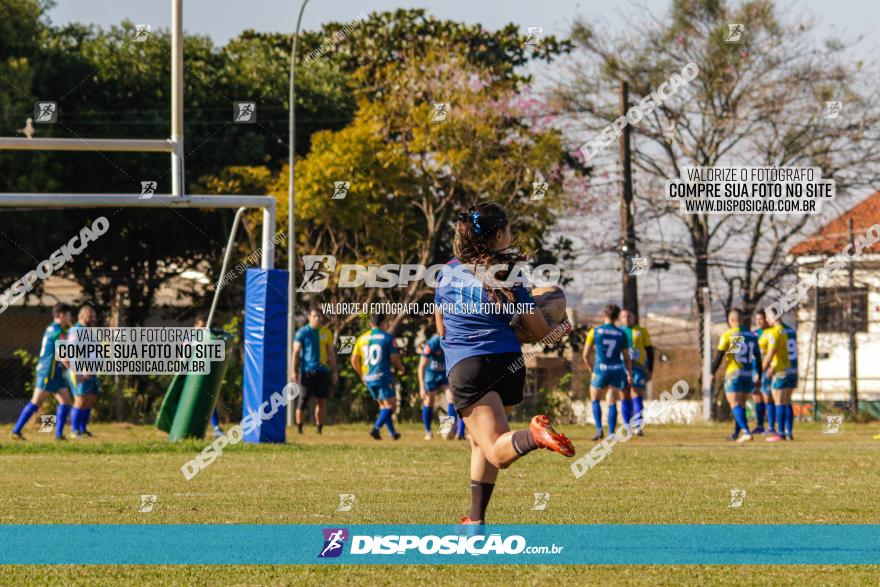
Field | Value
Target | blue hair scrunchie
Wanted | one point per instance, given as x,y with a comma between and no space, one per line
475,220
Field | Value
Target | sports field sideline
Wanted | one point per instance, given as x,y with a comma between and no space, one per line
673,475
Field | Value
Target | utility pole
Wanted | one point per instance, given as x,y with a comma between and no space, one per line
850,296
627,222
708,392
815,350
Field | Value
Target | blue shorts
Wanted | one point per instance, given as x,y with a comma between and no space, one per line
739,384
91,385
381,391
640,378
435,380
611,378
51,383
785,380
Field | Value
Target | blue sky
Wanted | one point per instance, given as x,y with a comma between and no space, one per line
223,19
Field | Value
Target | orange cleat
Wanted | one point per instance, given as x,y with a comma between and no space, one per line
546,437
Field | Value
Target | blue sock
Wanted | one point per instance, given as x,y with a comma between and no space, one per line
85,414
626,409
26,412
459,432
739,414
61,419
736,428
789,418
427,416
761,410
771,415
780,419
638,406
215,418
380,421
612,418
389,422
597,414
75,416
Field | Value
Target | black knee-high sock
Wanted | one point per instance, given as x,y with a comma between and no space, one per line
481,493
523,442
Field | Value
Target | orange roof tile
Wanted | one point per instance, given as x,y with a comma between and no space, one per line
833,237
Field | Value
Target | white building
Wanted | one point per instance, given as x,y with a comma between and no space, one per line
832,368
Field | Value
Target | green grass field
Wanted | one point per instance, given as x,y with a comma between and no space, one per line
672,475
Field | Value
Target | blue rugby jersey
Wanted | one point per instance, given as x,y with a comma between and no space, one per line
474,325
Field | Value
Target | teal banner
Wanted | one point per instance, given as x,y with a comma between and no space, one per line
428,544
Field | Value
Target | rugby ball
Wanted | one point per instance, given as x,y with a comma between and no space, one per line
550,301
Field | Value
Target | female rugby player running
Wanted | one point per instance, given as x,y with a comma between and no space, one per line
483,355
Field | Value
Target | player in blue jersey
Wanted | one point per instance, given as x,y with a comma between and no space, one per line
85,386
314,368
740,347
612,368
764,406
51,376
375,354
477,297
432,379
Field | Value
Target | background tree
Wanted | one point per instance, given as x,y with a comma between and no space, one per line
758,103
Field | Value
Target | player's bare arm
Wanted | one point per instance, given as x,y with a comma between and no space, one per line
294,362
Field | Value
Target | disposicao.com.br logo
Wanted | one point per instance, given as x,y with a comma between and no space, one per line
469,543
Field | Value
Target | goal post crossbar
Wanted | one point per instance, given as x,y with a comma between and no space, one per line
266,203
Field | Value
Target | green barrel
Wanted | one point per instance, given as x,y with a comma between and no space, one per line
190,398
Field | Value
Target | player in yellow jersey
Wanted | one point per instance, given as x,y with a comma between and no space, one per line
764,405
739,347
777,364
642,354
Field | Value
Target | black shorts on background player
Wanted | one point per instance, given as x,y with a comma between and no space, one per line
473,377
314,384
